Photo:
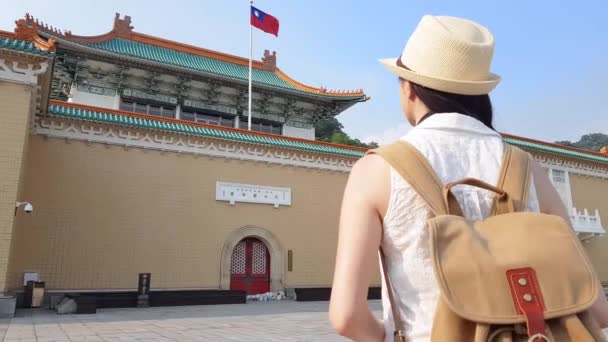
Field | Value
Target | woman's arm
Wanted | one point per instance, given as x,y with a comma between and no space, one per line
357,256
551,203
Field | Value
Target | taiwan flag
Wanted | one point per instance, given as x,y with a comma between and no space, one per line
264,22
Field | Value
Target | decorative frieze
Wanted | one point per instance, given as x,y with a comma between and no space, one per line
249,193
263,103
240,100
233,150
180,143
288,107
62,79
19,72
574,166
212,92
97,73
183,87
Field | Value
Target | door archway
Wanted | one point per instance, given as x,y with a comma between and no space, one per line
275,253
250,267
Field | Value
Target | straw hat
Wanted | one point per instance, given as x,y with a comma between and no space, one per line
448,54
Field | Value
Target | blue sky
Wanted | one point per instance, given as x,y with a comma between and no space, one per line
551,54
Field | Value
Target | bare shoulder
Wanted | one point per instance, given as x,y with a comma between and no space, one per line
370,168
370,163
370,177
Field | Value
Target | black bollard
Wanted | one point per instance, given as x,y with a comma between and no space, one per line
143,290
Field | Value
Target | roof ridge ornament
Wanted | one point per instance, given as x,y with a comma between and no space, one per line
40,25
28,31
269,61
122,27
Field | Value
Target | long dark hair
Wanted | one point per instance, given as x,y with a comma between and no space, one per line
475,106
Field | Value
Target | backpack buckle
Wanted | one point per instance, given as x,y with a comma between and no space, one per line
528,301
398,336
538,337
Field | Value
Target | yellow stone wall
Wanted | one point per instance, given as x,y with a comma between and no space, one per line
105,213
592,193
15,102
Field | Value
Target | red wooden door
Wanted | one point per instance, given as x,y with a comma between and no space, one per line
250,267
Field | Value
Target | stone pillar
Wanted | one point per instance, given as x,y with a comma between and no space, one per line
178,111
116,101
18,87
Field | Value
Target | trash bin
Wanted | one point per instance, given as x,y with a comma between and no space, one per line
7,306
34,294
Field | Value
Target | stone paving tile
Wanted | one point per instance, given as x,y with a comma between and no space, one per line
285,321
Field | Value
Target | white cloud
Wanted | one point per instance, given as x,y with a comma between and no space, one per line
389,135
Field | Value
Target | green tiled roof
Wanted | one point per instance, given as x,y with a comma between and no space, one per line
22,46
278,141
190,61
152,123
554,149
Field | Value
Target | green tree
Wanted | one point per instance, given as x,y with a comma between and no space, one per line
565,143
325,129
373,144
592,141
340,138
330,130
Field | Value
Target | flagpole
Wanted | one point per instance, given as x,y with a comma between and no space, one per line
250,67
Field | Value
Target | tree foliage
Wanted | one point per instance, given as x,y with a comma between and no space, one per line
330,130
592,142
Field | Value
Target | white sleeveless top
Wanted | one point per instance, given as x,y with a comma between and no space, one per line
457,146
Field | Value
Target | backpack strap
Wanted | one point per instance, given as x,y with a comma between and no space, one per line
391,298
515,177
416,170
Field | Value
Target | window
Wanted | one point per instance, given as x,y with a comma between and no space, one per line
144,108
209,119
559,176
154,110
140,108
187,116
263,127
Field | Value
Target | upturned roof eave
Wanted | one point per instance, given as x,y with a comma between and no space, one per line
77,47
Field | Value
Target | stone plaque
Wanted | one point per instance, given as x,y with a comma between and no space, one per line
216,108
250,193
154,97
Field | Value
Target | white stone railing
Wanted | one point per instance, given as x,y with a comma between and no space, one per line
585,223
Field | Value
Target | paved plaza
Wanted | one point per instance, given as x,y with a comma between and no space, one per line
255,321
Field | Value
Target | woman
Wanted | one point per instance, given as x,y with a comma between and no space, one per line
444,81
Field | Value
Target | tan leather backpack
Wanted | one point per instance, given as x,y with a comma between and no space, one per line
515,276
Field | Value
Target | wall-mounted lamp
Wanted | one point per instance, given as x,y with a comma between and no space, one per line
27,207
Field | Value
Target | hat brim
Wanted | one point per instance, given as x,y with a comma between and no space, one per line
446,85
